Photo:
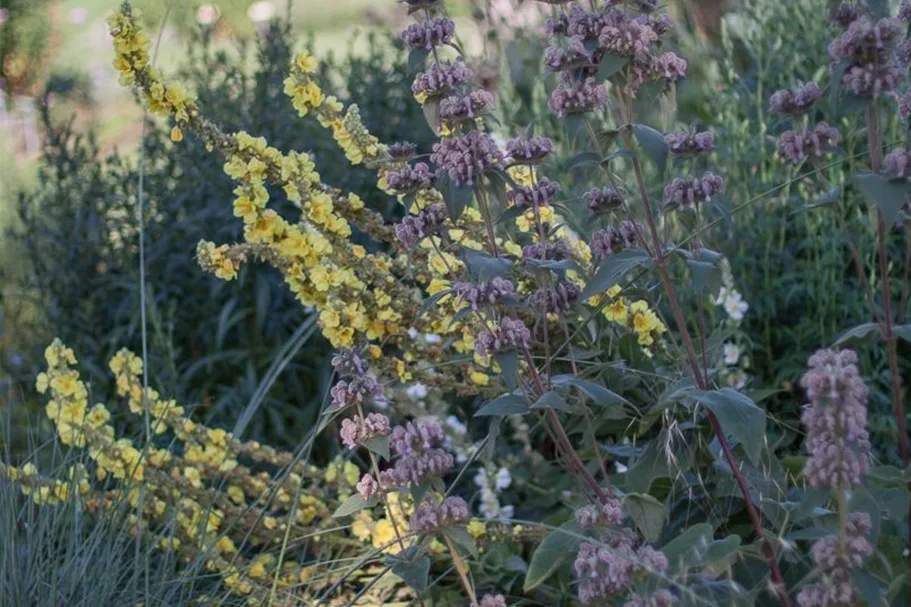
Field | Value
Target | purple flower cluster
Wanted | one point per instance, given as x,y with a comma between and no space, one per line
367,487
356,430
467,157
466,107
349,363
355,391
602,200
797,146
410,178
493,600
427,518
417,449
430,33
865,48
402,150
510,334
572,54
835,420
441,78
835,557
687,193
577,96
688,143
606,571
612,239
531,150
559,298
534,196
414,228
795,102
843,15
478,294
897,164
552,250
608,514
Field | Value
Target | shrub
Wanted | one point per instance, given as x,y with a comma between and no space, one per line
565,351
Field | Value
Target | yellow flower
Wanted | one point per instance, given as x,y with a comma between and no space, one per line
481,379
477,529
176,135
307,63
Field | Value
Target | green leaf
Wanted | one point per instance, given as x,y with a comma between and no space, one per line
614,268
889,195
610,65
456,197
483,266
462,538
739,417
607,138
598,393
354,504
868,587
721,550
582,159
509,367
705,274
683,549
902,332
551,400
419,492
433,299
653,143
414,573
378,445
858,333
648,514
508,404
417,59
558,547
431,110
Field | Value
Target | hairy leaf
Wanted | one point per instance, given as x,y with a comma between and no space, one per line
551,553
739,417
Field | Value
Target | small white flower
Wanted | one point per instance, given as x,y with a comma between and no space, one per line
432,338
620,467
413,333
735,306
480,478
507,511
416,391
737,379
731,354
503,479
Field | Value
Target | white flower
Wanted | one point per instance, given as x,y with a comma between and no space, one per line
413,333
731,354
620,468
503,479
416,391
480,478
737,379
432,338
734,305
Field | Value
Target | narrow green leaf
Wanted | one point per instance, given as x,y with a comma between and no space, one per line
462,538
648,514
508,404
888,194
653,143
582,159
614,268
509,367
721,550
902,332
858,333
417,58
598,393
431,110
551,400
354,504
558,547
739,417
483,266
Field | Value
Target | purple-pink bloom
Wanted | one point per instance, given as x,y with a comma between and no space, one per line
531,150
797,146
356,430
465,158
688,143
897,164
430,33
795,102
835,420
441,78
688,193
511,333
577,96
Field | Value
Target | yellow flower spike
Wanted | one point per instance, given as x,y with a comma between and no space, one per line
176,135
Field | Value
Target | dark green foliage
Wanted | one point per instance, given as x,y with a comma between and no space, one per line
210,342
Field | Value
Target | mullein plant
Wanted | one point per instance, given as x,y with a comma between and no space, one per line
483,290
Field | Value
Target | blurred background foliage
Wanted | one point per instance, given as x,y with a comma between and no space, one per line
69,253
